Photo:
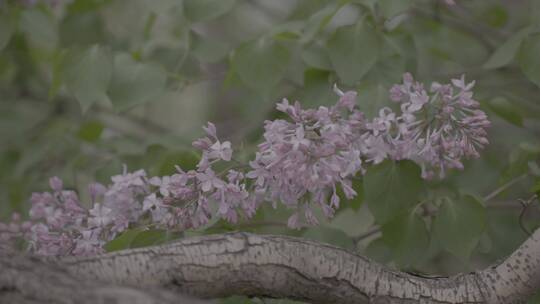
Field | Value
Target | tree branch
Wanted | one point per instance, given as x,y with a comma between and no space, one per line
25,280
287,267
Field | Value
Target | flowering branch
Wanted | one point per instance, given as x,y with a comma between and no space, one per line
302,163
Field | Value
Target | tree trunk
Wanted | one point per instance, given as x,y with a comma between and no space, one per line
260,265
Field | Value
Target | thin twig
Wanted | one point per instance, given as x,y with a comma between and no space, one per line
373,230
525,204
502,188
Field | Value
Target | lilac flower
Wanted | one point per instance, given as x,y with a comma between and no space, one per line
127,179
209,180
220,151
96,190
89,243
100,216
56,184
346,100
155,206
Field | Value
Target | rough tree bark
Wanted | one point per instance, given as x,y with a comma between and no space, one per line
270,266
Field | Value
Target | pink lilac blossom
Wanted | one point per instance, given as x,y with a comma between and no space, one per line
303,163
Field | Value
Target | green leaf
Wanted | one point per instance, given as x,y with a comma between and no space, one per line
356,202
87,74
379,251
153,237
286,36
353,51
353,222
392,188
136,238
82,29
134,83
408,238
317,57
536,188
319,20
187,160
6,30
373,96
508,50
57,70
390,8
496,16
503,108
529,60
208,50
39,28
204,10
535,299
90,131
459,224
123,241
330,235
261,63
84,6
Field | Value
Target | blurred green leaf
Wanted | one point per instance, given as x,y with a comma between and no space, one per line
518,162
508,50
153,237
316,56
81,29
496,16
286,35
261,63
204,10
353,51
529,60
87,73
536,188
391,188
134,83
372,97
187,160
459,224
329,235
408,238
379,251
535,13
123,241
506,110
436,49
320,19
136,238
39,28
390,8
83,6
209,50
90,131
57,73
357,201
6,30
535,299
147,238
353,222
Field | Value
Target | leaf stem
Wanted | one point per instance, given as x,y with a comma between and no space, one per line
502,188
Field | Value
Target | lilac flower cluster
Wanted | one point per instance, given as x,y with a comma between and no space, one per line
304,162
437,131
60,225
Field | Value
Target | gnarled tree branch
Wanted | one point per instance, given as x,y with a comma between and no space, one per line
287,267
25,280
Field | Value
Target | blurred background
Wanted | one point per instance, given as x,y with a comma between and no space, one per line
89,85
